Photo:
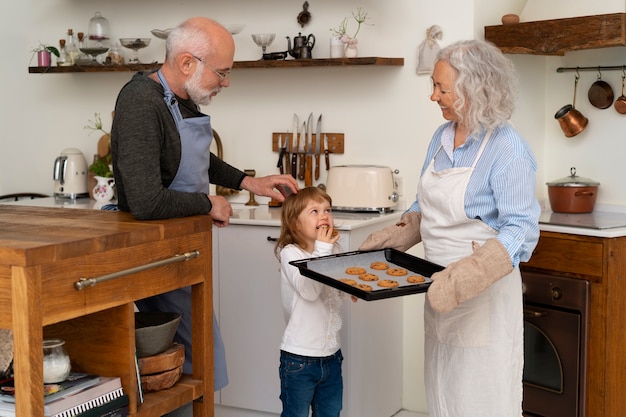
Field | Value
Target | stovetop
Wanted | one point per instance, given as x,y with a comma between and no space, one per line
594,220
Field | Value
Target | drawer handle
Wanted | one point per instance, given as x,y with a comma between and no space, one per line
90,282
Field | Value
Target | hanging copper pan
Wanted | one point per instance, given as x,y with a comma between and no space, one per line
571,120
600,93
620,103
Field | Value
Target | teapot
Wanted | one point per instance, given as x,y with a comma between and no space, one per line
302,46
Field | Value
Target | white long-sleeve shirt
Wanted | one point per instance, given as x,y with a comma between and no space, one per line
312,310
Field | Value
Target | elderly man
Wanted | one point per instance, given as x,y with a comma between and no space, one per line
160,148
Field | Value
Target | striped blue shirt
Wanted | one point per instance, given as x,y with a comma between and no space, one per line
501,190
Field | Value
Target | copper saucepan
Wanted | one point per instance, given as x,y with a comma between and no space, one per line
600,93
571,120
620,103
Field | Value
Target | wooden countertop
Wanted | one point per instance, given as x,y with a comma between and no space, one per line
35,235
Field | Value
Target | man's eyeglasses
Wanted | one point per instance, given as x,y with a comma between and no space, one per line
222,75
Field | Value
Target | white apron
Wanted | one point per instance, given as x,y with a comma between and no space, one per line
473,354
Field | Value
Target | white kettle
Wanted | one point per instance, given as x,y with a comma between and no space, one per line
70,174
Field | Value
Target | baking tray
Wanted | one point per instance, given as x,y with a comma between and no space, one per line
329,269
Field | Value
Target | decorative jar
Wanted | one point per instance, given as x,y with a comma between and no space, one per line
56,361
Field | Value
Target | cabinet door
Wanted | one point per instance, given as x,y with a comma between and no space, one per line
250,316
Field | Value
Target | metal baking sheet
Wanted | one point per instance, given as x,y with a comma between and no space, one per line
329,269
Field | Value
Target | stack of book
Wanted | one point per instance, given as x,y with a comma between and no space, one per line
80,395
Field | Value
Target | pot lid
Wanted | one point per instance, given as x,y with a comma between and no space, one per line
573,181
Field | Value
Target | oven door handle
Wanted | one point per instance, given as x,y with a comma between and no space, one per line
534,313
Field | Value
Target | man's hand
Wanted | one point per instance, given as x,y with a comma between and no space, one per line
268,186
221,210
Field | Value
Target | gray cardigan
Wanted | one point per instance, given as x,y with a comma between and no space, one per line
145,149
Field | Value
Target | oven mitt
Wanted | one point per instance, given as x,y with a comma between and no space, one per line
400,236
469,276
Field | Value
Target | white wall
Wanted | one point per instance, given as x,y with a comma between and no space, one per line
384,111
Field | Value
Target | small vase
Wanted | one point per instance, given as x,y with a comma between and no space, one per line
351,51
336,48
44,58
103,191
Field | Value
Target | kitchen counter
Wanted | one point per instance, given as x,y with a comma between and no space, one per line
597,224
261,215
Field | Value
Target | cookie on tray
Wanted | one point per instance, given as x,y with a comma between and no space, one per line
363,287
355,270
397,272
388,283
380,266
348,281
415,279
368,277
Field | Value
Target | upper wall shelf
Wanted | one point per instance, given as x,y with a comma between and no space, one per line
558,36
288,63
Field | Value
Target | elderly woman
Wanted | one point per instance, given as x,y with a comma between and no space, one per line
476,214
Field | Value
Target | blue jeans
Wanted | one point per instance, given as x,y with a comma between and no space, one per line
311,382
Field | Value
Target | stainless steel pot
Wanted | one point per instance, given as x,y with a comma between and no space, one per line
572,194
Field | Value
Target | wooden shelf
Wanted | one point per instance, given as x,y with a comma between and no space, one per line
287,63
558,36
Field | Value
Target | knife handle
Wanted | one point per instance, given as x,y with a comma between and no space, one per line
280,158
301,170
317,166
327,158
286,164
308,174
294,164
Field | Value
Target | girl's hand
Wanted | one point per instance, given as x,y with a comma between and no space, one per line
327,234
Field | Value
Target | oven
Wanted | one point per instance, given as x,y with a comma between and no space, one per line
556,315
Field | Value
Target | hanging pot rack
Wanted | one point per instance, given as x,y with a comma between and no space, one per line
599,68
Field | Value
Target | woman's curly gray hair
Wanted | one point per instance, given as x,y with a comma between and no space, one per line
485,86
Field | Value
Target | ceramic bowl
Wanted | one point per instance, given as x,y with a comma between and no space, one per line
154,331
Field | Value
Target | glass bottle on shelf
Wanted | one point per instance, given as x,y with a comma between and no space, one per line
62,59
82,58
71,48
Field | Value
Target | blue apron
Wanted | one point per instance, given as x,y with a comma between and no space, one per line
192,176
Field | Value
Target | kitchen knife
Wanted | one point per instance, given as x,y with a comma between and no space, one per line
281,154
318,140
294,147
326,152
301,151
308,159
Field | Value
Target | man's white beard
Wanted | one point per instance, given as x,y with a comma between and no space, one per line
198,94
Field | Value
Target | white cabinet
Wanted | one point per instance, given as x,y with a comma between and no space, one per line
248,307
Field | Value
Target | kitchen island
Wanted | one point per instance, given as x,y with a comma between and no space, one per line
75,274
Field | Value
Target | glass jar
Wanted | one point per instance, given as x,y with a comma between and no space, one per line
56,361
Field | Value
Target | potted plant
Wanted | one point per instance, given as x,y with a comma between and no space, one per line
341,32
44,54
101,165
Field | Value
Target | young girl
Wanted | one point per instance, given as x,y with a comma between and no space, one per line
310,355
